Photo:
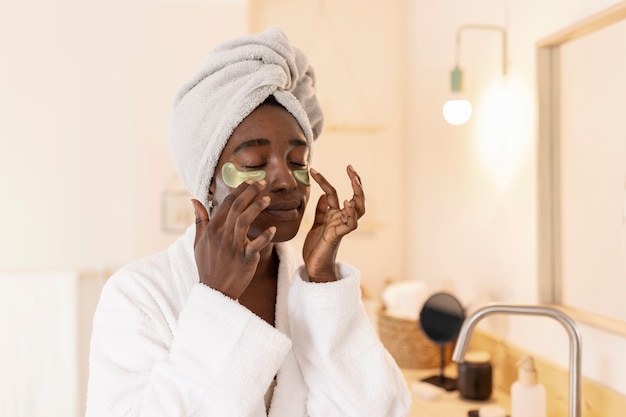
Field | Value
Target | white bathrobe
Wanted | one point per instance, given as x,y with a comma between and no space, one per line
165,345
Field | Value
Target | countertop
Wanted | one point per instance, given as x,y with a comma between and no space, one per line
449,404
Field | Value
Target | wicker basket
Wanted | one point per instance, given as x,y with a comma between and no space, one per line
408,344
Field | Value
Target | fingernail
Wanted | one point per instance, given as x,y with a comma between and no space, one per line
313,171
262,183
266,199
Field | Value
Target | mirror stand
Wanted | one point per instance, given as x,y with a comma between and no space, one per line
441,380
441,318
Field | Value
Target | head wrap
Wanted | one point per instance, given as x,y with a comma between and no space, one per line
232,81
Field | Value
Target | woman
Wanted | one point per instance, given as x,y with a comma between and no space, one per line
229,321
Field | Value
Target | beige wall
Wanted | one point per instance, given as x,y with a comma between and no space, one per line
68,149
86,93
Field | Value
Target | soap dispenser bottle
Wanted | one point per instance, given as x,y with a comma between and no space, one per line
528,397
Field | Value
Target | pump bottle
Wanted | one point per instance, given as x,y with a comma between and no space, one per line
528,397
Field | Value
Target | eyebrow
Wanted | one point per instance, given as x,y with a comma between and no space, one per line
265,142
250,144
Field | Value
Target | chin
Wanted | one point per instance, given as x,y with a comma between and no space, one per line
284,237
285,231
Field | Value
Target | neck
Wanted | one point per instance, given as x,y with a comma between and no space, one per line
266,263
260,296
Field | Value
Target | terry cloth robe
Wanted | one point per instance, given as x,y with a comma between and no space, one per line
165,345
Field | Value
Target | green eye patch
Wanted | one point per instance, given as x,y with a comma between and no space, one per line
233,177
302,176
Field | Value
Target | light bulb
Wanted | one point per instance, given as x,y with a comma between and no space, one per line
457,111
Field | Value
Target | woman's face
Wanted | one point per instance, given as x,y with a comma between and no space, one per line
271,140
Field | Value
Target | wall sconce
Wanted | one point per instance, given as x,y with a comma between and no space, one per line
458,109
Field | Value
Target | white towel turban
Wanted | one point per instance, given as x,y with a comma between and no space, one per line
231,82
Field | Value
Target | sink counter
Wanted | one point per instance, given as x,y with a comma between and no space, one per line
597,401
449,404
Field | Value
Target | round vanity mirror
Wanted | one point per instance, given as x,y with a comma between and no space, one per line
441,319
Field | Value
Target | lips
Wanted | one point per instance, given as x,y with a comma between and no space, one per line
284,210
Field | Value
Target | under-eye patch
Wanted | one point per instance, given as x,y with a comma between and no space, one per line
302,176
233,177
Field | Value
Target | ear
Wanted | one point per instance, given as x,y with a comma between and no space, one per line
210,199
211,196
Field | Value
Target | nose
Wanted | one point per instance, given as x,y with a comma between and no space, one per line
280,177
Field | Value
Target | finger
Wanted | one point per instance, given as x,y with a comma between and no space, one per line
346,218
221,210
249,194
238,205
320,210
202,219
257,244
329,190
357,187
349,214
245,219
338,225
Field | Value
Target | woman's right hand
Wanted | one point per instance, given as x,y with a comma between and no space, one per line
226,257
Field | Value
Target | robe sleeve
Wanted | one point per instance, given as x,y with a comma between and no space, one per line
218,360
345,366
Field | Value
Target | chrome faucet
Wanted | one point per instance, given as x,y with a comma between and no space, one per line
533,310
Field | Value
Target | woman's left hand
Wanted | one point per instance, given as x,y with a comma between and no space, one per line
331,224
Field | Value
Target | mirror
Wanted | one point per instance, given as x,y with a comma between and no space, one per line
441,319
582,170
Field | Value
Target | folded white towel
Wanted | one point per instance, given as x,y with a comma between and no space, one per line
404,299
232,81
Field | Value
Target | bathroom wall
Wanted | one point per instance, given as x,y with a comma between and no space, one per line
474,227
68,149
86,92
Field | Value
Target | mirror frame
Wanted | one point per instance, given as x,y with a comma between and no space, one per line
548,167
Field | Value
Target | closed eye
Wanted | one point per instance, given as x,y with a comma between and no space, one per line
254,167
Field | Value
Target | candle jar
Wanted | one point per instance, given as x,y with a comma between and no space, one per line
475,376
